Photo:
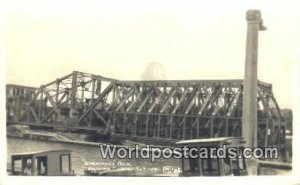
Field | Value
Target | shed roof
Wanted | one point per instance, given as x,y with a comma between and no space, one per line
33,153
215,141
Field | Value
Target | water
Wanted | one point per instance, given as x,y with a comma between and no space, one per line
88,157
84,157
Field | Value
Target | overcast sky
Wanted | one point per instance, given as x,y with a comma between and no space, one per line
149,39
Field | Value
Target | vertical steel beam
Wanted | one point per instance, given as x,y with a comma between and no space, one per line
171,127
158,127
212,127
226,127
91,101
135,125
73,94
147,126
56,96
183,127
40,105
124,124
198,127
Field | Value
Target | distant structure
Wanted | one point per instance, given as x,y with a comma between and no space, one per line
164,110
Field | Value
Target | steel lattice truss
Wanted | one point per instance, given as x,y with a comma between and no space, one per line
174,110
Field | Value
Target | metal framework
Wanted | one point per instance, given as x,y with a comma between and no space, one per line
181,109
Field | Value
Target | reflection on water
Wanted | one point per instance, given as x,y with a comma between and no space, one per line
89,157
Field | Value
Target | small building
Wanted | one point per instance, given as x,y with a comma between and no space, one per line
213,165
48,163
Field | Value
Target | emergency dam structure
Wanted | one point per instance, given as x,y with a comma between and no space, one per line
164,110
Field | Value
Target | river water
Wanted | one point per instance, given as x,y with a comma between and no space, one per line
89,157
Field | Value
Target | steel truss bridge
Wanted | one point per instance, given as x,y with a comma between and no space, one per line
164,109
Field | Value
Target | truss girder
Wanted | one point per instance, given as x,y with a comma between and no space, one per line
174,109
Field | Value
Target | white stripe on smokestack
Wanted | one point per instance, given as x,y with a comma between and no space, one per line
249,117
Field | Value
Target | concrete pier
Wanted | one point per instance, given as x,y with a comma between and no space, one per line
249,117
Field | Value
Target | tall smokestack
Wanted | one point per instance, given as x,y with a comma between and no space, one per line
249,117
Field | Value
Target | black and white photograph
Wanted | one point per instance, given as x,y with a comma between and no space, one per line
178,90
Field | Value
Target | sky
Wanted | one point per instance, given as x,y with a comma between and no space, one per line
143,39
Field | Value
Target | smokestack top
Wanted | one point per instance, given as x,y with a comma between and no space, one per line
254,17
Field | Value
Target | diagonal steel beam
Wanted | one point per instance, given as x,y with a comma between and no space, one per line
58,106
209,99
173,91
194,95
155,102
145,100
34,115
277,108
30,103
234,103
101,117
265,104
54,105
217,106
138,97
125,99
180,101
95,103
